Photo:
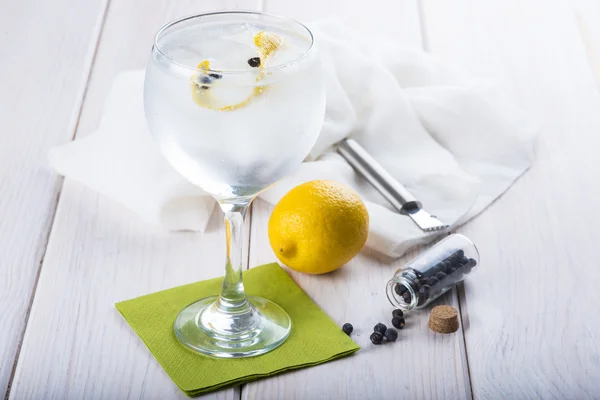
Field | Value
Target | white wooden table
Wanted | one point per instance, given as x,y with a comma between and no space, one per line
530,318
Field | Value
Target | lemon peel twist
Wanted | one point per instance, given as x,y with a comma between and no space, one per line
267,44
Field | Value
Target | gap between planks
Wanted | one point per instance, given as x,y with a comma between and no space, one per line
459,292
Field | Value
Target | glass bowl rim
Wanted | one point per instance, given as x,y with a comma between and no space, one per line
168,25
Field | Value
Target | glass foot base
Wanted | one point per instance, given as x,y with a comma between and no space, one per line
202,328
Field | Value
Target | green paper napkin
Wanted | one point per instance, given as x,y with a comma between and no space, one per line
314,339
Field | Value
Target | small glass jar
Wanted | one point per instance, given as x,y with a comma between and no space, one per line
432,273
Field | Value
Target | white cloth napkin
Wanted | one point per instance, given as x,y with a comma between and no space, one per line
455,143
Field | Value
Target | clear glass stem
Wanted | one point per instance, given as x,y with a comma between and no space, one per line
231,325
233,298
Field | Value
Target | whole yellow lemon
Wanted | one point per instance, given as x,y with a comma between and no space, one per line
318,226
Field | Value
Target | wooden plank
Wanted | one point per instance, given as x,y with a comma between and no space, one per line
47,51
530,310
77,345
420,364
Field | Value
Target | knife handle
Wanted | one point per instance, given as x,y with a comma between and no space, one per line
377,176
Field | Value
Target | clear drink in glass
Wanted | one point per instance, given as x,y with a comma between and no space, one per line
235,101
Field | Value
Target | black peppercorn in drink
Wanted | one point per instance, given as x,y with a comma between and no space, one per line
432,273
241,106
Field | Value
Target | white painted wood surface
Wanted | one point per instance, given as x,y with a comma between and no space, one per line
530,322
45,58
532,315
587,16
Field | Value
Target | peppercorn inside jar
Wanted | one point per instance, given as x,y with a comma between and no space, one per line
432,273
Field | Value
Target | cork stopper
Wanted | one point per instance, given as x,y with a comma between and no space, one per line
443,319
